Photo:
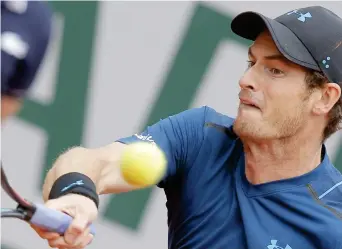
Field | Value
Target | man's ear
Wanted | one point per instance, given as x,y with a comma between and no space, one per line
326,98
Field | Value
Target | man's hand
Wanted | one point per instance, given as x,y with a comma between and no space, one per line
102,166
77,236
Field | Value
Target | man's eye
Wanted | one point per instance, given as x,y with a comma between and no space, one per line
275,71
250,64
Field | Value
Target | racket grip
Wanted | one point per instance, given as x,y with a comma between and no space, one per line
53,220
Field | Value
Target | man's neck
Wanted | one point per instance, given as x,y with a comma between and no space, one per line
276,160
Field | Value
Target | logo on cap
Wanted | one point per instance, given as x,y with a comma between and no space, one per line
301,17
325,62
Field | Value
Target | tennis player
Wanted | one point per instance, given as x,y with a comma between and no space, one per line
260,181
25,32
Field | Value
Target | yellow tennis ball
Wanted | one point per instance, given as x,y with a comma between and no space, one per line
143,164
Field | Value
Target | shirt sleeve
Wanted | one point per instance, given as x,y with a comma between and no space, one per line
25,34
179,136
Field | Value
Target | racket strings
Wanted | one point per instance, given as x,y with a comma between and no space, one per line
11,192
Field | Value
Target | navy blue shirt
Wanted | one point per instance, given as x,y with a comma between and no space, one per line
212,205
25,33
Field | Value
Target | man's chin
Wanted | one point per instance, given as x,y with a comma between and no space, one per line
253,131
246,129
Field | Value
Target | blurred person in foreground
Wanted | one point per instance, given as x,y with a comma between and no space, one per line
25,33
262,180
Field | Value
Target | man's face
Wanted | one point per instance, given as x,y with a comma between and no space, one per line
277,88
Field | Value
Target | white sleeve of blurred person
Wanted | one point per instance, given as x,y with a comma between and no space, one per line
25,33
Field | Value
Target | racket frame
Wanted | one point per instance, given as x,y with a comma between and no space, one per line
24,210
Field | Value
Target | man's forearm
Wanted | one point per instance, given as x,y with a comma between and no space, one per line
101,165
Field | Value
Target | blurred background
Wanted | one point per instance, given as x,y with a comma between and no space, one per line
111,69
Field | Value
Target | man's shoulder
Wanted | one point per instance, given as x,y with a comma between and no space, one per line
218,118
212,126
210,116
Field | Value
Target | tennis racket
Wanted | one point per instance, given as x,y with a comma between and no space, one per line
36,214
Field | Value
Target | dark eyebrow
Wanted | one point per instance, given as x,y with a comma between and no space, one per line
270,57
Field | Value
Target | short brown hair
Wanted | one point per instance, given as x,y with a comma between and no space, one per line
316,79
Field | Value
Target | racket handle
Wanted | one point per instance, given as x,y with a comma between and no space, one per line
53,220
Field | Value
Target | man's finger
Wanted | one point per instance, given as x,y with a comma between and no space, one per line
44,234
76,228
83,240
59,243
87,240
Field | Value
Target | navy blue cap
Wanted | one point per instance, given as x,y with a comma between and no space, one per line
25,35
310,37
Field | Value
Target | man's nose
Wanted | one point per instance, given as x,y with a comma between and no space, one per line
249,80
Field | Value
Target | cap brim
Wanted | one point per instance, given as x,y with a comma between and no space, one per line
250,24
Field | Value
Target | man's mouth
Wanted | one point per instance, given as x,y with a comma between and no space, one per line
249,103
